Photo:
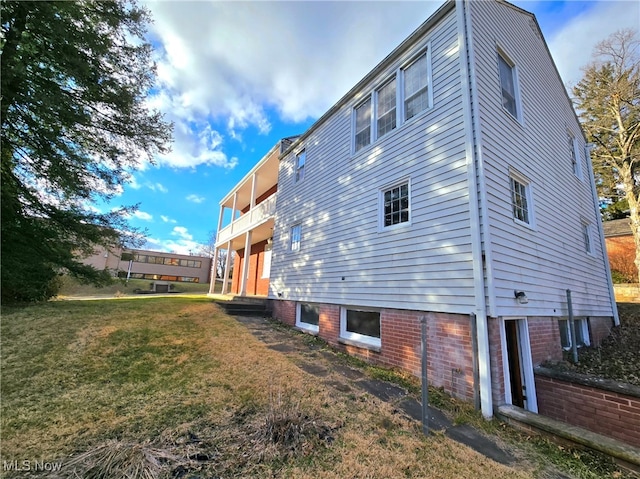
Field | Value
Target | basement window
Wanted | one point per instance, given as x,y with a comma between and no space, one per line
360,325
308,316
582,333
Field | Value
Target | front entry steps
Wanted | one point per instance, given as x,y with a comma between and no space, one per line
246,306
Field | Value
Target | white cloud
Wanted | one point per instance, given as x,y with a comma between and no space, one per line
157,187
235,60
572,46
182,233
166,219
195,198
182,244
141,215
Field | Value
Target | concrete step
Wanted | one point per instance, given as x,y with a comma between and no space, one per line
239,307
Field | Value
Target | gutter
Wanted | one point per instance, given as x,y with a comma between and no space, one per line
472,153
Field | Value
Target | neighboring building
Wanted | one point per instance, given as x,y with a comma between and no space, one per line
621,249
158,267
452,183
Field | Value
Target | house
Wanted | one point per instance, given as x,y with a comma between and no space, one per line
452,183
160,268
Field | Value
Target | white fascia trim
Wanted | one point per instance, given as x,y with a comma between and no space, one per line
484,358
603,247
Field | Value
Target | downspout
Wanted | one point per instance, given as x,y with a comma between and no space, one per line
603,246
475,209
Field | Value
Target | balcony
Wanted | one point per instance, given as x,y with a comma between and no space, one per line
253,218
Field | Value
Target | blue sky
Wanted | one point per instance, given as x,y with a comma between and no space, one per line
235,77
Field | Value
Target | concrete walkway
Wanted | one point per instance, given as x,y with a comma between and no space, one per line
337,373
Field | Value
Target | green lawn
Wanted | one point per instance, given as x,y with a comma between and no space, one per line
73,288
175,387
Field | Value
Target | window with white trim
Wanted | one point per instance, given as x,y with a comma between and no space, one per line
401,96
296,236
582,333
386,108
416,87
586,234
521,200
308,316
301,158
395,205
363,125
508,85
574,156
360,325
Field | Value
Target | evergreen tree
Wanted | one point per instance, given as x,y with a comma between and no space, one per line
74,77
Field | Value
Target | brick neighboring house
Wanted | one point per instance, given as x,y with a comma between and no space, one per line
431,189
159,267
621,248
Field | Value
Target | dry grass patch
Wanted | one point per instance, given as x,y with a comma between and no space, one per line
174,387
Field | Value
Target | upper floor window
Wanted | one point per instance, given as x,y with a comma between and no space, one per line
416,84
508,85
521,200
395,205
574,156
402,96
296,234
586,233
363,124
301,158
386,108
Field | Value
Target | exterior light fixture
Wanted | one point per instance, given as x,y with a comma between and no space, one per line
521,297
269,240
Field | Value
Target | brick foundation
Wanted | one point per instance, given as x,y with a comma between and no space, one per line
449,349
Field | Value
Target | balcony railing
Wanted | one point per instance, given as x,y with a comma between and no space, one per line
252,218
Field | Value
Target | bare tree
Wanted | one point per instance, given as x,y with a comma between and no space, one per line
608,101
208,249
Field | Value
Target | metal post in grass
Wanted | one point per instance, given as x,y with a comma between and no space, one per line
425,386
572,325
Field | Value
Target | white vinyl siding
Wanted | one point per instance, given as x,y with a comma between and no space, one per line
549,259
346,259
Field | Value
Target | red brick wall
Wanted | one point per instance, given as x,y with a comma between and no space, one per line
495,353
600,329
604,412
544,337
256,285
285,311
449,350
